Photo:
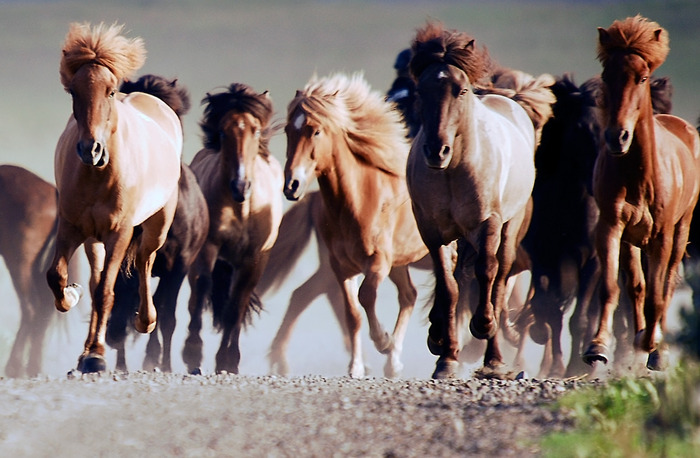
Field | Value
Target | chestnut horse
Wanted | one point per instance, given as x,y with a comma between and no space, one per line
173,260
117,166
27,231
646,182
470,174
354,143
242,184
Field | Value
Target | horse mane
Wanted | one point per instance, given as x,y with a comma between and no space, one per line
636,35
241,98
435,44
102,45
372,128
175,96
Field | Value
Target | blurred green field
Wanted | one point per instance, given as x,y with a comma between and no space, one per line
277,46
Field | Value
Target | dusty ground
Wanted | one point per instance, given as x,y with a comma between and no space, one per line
161,414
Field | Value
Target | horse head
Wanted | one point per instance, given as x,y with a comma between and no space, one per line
305,137
240,144
445,94
93,89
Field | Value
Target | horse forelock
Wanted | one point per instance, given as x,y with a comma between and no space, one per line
634,35
433,44
240,98
103,45
372,128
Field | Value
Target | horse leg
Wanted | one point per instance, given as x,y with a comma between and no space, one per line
319,283
165,299
442,333
407,299
92,358
353,321
200,281
578,322
41,320
68,238
484,324
367,296
608,249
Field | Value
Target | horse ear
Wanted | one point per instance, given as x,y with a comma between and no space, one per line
657,34
266,94
603,36
298,94
469,46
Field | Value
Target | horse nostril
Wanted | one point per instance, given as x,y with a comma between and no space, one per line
624,136
293,185
445,151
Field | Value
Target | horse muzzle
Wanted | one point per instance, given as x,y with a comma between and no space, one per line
437,158
92,152
618,141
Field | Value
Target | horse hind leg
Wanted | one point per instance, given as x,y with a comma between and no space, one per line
407,295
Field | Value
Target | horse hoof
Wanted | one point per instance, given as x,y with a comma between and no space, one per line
446,369
594,353
196,371
480,331
71,296
540,333
92,363
144,329
435,345
657,360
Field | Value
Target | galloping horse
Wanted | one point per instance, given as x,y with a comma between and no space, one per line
117,166
646,182
173,260
470,174
242,184
354,143
27,230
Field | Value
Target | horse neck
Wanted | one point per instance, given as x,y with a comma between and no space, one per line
643,144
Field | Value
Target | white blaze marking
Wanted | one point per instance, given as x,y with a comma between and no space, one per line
299,121
441,75
241,124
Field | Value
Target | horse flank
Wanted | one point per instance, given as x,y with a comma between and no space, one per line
372,127
102,45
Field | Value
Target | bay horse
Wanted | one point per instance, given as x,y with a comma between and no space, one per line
242,184
184,240
646,182
470,174
27,229
354,142
117,165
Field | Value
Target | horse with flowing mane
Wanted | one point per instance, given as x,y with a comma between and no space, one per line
117,165
646,183
242,184
470,175
354,142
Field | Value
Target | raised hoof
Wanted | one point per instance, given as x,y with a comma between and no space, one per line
482,331
71,296
92,363
446,369
144,329
595,353
540,333
385,345
435,345
657,360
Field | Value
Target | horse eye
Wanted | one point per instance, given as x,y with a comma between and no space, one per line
317,133
463,91
643,79
111,94
257,133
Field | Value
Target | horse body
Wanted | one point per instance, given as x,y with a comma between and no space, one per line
354,144
646,184
241,183
27,227
125,174
470,173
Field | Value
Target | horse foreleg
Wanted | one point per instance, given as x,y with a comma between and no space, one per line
165,300
579,322
367,296
484,324
442,333
68,239
353,321
608,249
407,299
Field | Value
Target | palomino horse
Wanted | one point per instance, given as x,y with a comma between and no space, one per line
354,142
117,166
470,174
646,182
242,184
173,260
27,230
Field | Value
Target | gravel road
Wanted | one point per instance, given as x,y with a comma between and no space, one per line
159,414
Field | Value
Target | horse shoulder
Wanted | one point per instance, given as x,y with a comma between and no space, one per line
155,109
513,112
683,130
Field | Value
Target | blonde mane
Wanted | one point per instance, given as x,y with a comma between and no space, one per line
101,45
372,128
636,35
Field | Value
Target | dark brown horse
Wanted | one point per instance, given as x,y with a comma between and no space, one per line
349,138
646,183
470,174
117,166
173,260
242,184
27,231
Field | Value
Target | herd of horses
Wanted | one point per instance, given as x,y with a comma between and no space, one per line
476,172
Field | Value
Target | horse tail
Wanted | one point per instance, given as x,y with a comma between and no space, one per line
295,235
169,91
533,94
